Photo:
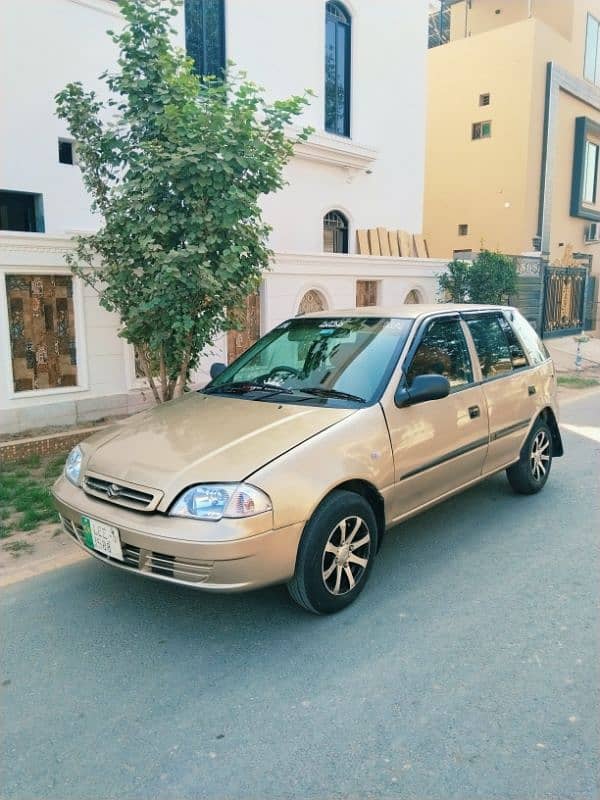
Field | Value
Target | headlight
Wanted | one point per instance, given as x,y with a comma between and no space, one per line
73,465
217,500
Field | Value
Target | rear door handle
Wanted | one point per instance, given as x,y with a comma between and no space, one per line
531,390
474,412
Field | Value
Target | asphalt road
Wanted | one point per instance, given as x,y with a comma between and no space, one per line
467,669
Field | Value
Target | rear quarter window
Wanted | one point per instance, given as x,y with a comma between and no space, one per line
534,347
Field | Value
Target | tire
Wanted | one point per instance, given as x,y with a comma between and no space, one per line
322,584
530,473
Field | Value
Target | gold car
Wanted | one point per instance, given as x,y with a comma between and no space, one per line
294,461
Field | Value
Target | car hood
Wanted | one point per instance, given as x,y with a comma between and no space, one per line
203,438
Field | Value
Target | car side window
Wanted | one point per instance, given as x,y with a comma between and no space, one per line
492,346
517,354
443,351
536,349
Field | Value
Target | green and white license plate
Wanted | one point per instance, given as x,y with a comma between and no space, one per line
102,537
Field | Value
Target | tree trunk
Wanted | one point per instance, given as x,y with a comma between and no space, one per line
145,361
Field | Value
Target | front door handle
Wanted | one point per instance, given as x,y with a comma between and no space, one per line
474,412
531,390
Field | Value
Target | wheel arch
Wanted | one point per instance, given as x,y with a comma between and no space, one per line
371,494
549,417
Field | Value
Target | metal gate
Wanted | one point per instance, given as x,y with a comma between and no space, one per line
564,300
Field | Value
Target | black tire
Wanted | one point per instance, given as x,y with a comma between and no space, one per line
530,473
338,513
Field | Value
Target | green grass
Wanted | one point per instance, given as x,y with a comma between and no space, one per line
574,382
25,497
18,547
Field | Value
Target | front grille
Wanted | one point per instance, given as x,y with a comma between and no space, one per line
188,570
121,494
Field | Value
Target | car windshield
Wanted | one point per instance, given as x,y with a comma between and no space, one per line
333,360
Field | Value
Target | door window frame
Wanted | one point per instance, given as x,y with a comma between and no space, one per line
466,316
420,334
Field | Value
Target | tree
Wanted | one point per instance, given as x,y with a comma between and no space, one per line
454,283
176,165
490,278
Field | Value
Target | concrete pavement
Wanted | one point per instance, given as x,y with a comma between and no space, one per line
467,669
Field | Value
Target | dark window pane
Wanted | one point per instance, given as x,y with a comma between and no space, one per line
491,345
335,233
65,152
20,211
443,351
337,70
205,35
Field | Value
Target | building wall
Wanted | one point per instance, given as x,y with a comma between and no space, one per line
486,15
107,382
284,53
376,177
507,167
479,183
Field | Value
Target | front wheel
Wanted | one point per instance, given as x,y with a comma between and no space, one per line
335,555
530,473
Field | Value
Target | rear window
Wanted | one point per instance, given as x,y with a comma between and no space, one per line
534,347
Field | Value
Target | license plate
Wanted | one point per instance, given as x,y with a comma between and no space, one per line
102,537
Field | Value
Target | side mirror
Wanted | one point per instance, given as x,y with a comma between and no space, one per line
422,389
216,369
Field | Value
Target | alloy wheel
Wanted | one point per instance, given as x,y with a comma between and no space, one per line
346,555
540,455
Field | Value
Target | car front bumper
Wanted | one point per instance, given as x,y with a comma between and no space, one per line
225,556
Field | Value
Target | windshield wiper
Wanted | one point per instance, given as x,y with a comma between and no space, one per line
319,392
248,386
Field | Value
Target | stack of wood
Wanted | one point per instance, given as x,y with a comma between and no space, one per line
382,242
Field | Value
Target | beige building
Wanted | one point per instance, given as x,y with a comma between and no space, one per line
514,128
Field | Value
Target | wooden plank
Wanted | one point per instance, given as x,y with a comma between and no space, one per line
384,244
394,243
362,243
406,245
420,246
374,242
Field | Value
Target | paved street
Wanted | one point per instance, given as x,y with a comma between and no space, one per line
467,669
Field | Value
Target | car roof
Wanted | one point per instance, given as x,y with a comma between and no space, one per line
408,311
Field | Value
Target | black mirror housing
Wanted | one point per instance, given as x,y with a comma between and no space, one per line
216,369
422,389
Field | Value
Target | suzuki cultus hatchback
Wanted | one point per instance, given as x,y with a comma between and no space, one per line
297,457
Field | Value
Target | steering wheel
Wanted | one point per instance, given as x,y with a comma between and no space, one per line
282,369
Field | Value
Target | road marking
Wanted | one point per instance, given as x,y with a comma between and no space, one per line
589,431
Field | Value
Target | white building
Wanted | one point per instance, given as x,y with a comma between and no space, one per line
60,357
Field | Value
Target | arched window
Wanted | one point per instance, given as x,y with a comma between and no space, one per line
205,35
335,233
312,301
338,24
413,297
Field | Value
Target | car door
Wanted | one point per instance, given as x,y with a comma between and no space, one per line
438,445
508,385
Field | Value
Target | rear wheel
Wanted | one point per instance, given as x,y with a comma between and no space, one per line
530,473
336,554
